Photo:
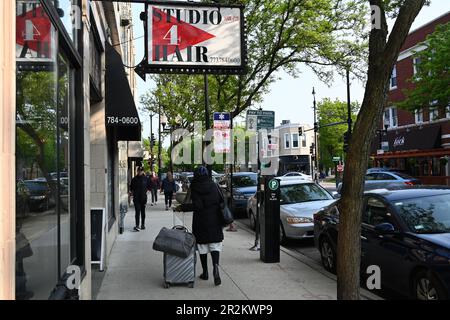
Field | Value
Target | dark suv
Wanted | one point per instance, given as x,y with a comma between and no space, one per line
405,232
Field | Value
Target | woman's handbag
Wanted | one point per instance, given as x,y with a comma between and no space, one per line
227,215
177,241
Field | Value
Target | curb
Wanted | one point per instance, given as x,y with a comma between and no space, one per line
365,294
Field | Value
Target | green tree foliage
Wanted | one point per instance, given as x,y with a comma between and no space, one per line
281,35
432,80
331,139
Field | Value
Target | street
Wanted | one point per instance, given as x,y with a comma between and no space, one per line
307,248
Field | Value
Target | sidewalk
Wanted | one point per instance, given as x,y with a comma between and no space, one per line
135,270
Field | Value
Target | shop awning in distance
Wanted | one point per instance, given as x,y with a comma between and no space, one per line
121,113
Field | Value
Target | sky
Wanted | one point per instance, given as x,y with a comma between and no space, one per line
290,98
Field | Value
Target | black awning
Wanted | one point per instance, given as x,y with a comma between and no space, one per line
121,115
426,138
300,159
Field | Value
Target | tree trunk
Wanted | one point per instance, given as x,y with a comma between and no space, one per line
382,57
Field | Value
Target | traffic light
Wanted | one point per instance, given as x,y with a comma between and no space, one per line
152,139
316,127
300,131
347,137
311,149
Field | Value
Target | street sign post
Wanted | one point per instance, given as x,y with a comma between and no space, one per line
222,125
336,159
260,119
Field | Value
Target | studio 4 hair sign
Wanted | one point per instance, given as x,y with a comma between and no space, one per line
192,38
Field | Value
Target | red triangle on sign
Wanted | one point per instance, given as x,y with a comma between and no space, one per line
39,26
168,33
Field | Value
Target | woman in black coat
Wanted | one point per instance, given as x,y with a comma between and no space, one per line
207,222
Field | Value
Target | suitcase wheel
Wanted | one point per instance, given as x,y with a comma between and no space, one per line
191,284
166,285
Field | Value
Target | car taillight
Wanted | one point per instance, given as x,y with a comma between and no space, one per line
409,183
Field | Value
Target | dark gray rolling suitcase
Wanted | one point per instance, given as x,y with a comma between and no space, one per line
180,270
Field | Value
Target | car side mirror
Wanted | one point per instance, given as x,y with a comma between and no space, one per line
336,195
385,228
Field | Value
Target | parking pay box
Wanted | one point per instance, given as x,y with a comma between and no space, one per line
270,221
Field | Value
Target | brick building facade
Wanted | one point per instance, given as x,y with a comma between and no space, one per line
417,143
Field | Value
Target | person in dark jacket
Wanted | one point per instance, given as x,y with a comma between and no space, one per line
154,186
204,199
138,188
169,187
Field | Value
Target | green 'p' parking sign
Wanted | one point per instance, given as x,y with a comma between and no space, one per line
274,184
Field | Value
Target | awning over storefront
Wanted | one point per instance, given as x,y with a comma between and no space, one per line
302,159
426,138
121,114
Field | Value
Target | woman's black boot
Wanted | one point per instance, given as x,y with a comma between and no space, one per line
204,262
215,258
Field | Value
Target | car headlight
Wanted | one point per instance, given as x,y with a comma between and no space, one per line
298,220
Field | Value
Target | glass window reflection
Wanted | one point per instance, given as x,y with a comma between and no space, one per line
70,15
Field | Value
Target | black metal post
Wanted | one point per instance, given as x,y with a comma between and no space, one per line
207,121
315,137
151,142
159,142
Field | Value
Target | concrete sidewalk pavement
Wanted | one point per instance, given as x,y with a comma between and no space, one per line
135,270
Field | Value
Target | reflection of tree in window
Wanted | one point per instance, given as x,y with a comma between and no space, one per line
37,120
422,220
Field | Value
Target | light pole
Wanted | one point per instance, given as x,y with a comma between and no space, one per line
151,141
159,141
316,128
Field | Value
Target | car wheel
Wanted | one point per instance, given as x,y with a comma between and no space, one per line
283,237
427,287
328,255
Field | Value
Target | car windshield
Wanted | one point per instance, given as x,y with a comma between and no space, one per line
305,192
245,181
426,214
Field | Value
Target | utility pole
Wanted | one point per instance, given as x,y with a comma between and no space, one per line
207,122
316,128
151,142
159,142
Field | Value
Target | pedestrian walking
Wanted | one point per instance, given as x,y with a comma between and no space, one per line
204,199
154,186
169,187
138,189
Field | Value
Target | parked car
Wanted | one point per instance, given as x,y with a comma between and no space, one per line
298,175
383,179
377,169
405,232
40,195
22,199
299,200
244,186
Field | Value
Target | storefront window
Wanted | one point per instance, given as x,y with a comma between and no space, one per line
42,154
70,14
64,96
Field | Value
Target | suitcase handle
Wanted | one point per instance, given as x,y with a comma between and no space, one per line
183,228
